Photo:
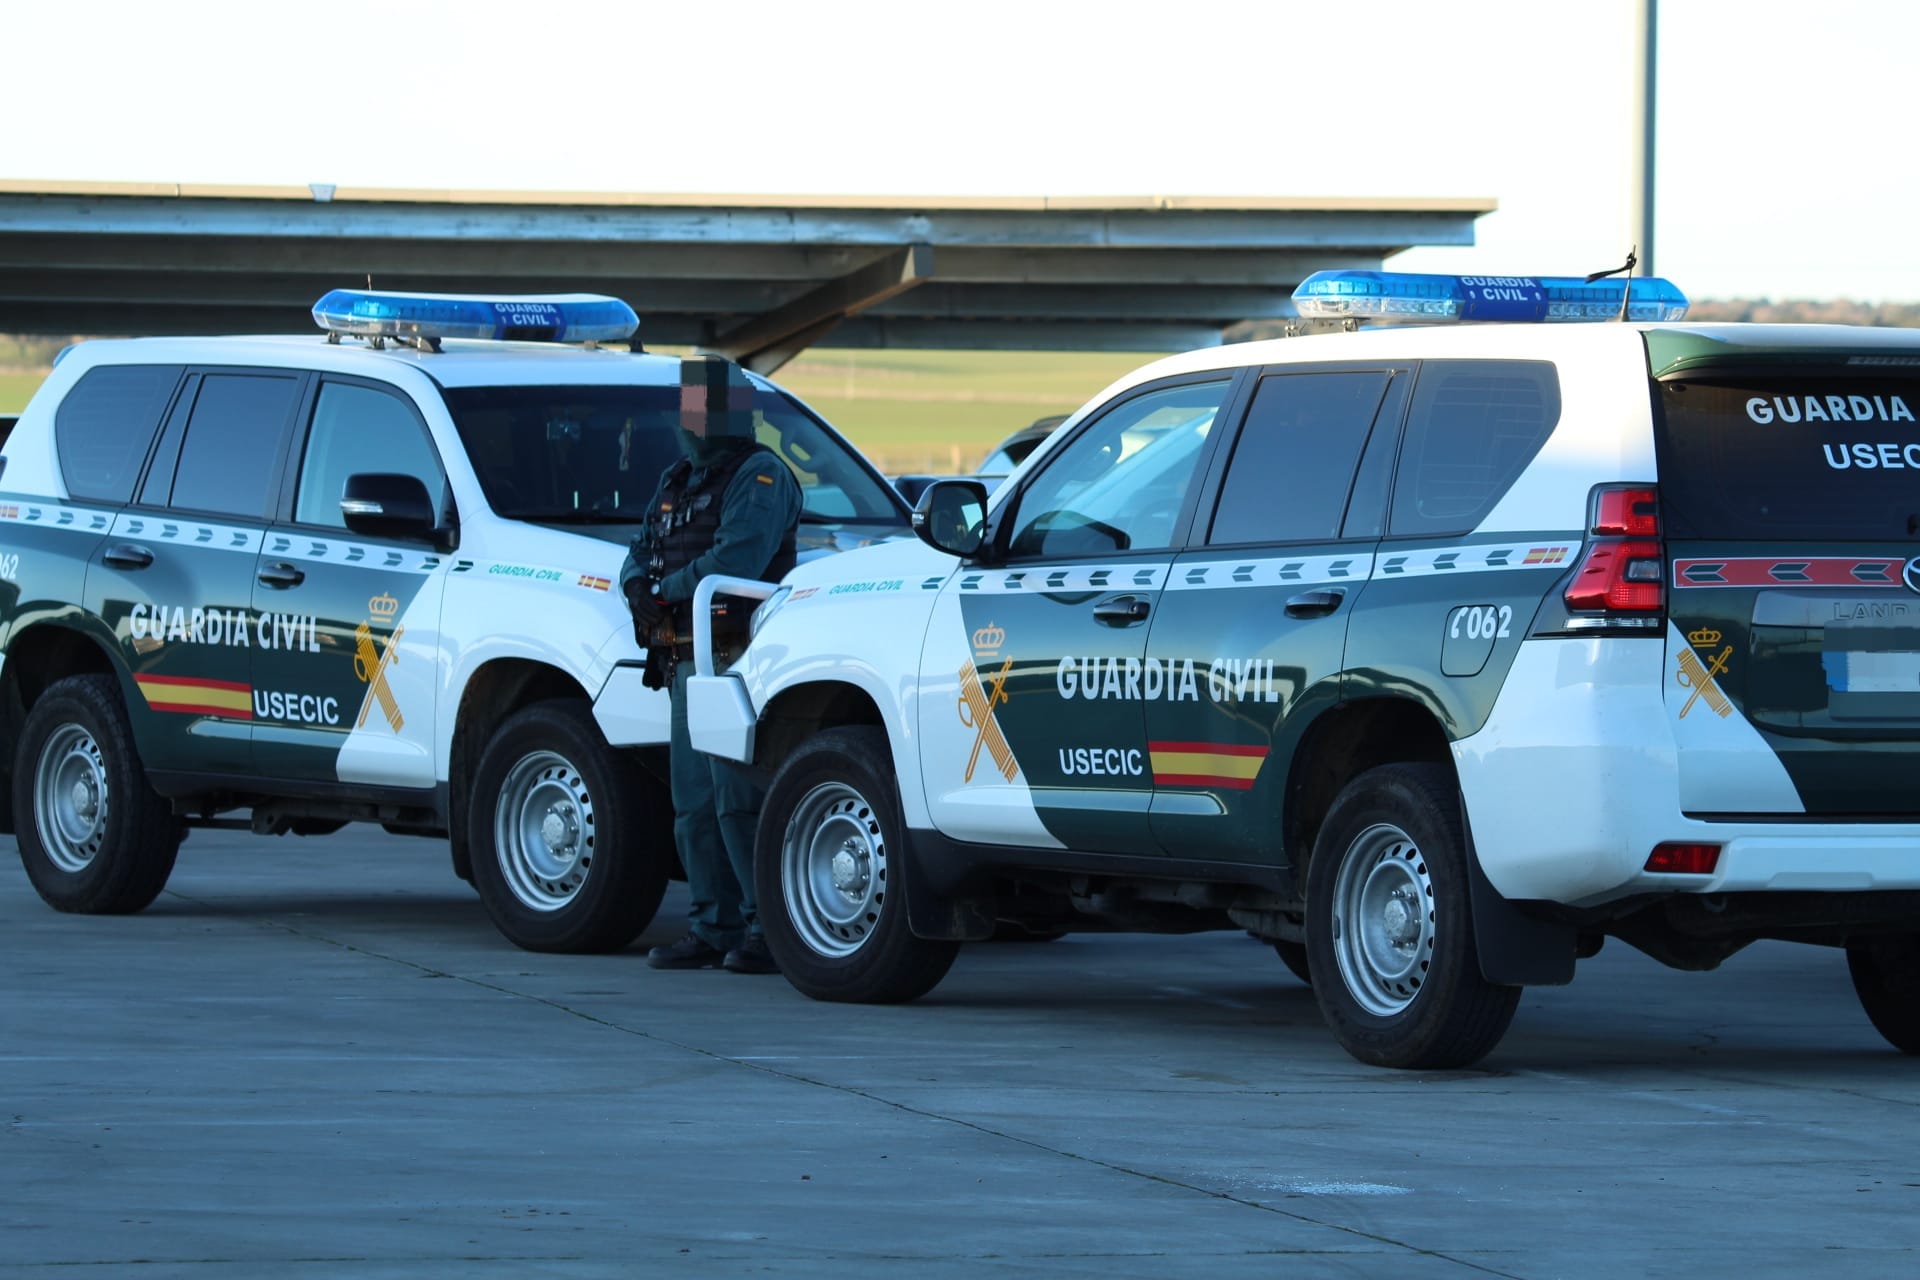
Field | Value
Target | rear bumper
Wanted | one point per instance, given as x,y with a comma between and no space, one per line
1577,775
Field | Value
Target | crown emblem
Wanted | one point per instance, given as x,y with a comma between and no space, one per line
1704,636
988,639
383,606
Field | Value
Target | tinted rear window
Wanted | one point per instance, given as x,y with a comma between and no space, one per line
1293,464
1821,457
232,442
104,425
1472,428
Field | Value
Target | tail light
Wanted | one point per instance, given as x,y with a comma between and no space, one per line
1621,580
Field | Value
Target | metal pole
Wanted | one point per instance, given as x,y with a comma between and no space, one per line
1640,163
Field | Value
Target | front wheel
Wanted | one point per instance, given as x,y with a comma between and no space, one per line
94,837
1390,932
571,841
827,875
1886,977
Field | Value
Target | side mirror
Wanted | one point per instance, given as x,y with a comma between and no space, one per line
383,505
951,516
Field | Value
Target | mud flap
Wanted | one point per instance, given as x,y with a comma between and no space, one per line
1516,949
930,913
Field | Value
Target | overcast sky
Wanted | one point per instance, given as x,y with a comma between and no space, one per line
1784,152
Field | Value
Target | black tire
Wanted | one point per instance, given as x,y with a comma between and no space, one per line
1405,990
1886,977
94,836
571,840
1294,956
840,932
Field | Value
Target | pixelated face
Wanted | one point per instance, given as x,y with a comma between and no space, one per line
716,400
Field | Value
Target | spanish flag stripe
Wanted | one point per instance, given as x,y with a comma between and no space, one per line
1228,766
193,696
194,682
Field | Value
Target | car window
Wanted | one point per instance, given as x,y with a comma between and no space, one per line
1472,428
564,452
1293,463
1120,484
104,425
233,438
358,429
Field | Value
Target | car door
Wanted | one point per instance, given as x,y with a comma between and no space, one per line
1250,638
175,573
345,665
1031,676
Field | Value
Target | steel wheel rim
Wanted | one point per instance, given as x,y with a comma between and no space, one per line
1384,920
543,831
833,869
70,798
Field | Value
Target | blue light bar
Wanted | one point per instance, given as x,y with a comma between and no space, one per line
1402,295
551,317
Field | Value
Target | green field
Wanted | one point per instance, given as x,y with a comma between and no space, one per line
907,410
17,388
943,410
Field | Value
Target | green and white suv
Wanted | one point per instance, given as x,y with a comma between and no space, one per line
1433,654
366,575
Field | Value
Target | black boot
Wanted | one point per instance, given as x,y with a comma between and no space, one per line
751,956
691,952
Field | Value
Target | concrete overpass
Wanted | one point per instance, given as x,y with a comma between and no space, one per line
755,277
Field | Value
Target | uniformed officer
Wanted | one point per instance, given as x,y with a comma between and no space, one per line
729,506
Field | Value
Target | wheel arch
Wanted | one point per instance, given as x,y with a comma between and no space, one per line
37,658
798,712
495,690
1344,742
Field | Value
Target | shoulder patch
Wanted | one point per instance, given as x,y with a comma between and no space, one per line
763,478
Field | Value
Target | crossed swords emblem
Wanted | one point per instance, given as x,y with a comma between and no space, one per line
1698,676
371,666
977,702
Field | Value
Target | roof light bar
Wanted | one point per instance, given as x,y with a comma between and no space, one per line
1407,296
551,317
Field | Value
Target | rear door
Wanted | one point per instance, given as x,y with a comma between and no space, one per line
174,577
1254,631
1791,507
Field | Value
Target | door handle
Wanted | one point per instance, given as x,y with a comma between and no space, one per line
127,555
1317,603
281,574
1123,612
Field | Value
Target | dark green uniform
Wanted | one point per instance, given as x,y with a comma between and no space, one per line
716,803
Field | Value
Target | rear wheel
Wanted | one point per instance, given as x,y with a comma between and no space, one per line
1886,977
94,837
1390,937
571,841
827,875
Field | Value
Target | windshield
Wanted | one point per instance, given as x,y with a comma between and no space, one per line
596,453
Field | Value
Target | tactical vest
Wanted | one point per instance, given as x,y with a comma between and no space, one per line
687,518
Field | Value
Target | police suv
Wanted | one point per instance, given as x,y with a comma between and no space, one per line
367,575
1432,654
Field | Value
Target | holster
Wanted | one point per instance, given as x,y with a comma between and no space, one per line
658,673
